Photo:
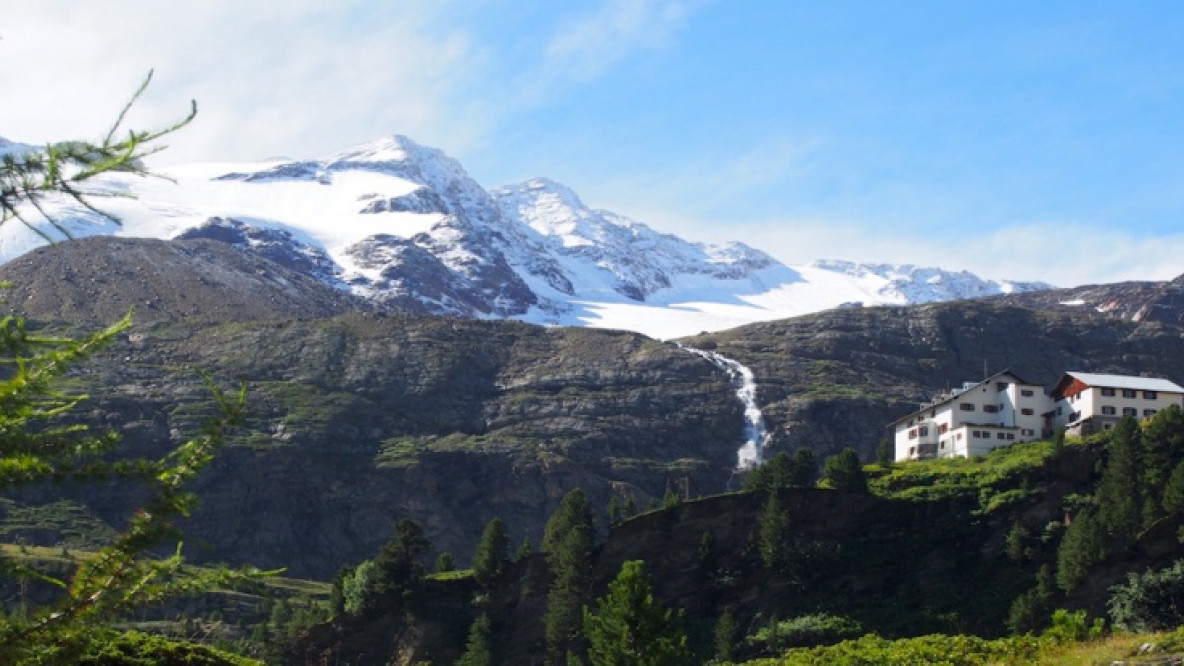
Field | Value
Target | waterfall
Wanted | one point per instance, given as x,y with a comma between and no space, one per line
752,452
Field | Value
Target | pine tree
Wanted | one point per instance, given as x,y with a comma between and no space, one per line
803,468
885,453
1119,493
844,472
479,648
492,553
567,542
1083,546
1173,492
524,551
629,626
725,636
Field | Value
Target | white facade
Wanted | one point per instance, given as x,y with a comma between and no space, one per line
970,421
1004,409
1086,402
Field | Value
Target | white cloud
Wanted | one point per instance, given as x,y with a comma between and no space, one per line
589,45
268,75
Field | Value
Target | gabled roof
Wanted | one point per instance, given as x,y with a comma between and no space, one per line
1097,380
958,392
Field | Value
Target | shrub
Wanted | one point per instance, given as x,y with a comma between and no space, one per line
1152,601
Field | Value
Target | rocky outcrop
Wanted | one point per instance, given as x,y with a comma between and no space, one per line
97,280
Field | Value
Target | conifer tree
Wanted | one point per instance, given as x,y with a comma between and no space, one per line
803,468
725,636
1083,546
492,553
1173,491
1119,493
567,542
844,472
479,648
629,626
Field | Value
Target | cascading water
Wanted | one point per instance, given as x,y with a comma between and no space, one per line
752,452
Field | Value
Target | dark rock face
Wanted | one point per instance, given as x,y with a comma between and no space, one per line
273,244
1136,301
359,420
96,280
422,200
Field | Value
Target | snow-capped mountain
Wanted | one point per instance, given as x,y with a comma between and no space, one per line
404,225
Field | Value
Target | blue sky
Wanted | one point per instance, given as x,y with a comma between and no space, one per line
1015,139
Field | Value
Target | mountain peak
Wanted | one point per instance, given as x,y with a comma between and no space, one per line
390,148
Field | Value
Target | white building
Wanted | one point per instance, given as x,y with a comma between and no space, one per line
980,416
1004,409
1085,402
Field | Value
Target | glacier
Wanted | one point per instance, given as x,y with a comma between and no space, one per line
405,226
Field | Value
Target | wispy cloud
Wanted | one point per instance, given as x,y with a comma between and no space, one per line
587,46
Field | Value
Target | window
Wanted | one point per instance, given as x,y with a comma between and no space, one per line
1027,393
1129,393
1027,432
941,429
990,409
975,434
966,406
913,433
1027,411
958,437
1000,435
1130,411
1148,412
923,430
943,444
912,421
1108,392
912,450
1060,410
1150,395
1000,386
1011,436
1108,410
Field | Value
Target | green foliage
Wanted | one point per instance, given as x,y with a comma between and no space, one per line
1030,610
1119,491
1173,492
479,648
885,453
873,650
445,562
994,481
360,591
1073,627
803,468
843,471
492,553
134,648
630,627
1083,546
1152,601
724,635
804,631
567,542
524,551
